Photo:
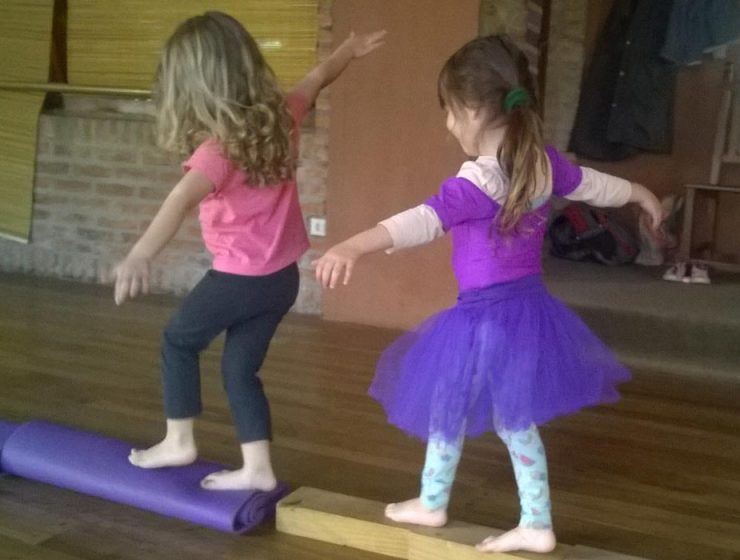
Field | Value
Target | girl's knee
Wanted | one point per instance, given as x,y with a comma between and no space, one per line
181,337
241,380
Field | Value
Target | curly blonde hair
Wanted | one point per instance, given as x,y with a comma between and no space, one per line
213,83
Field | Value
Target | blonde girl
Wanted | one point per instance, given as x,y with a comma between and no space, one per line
218,104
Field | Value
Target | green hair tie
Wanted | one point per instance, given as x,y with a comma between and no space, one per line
517,97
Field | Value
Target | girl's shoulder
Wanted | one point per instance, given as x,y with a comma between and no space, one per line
297,105
565,175
208,150
209,159
485,173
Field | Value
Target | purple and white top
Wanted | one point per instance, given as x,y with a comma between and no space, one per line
467,204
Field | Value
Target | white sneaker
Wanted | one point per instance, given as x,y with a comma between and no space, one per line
699,274
677,273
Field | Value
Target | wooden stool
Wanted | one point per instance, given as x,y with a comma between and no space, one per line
688,225
726,151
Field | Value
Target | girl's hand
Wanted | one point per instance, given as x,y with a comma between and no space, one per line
360,45
336,262
649,204
339,261
131,277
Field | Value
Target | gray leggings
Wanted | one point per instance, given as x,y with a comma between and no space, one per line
249,309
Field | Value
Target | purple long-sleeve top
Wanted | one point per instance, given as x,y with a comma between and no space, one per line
466,206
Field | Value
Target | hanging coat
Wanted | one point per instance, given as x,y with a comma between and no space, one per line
627,96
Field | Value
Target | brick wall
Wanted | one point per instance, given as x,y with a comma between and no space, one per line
100,179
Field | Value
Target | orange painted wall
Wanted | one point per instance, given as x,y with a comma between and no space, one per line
389,150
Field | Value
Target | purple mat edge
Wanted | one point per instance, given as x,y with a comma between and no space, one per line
6,430
235,511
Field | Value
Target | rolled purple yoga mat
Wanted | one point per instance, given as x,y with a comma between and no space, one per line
96,465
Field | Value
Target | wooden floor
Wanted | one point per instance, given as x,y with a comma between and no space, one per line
657,475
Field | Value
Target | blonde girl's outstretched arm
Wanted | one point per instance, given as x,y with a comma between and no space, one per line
131,275
337,264
355,46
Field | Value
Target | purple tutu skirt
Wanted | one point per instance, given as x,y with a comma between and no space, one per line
505,357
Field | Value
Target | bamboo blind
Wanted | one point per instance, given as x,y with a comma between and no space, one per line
114,43
25,45
25,39
19,115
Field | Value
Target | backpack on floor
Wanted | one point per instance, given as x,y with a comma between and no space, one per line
581,233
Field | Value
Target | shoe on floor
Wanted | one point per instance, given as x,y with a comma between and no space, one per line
699,274
677,273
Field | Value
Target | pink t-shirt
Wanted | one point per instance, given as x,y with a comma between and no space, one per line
252,231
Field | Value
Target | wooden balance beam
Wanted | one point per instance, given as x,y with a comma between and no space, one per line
360,523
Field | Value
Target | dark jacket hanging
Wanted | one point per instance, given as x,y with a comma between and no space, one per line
626,102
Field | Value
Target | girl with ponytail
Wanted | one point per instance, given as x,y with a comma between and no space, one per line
507,357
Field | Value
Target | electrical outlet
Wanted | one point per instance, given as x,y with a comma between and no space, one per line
317,226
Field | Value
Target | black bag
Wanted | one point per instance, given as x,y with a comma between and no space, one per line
581,233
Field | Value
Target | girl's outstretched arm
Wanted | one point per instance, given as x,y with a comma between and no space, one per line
355,46
131,275
649,204
339,261
604,190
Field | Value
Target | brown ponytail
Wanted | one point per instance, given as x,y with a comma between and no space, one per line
480,75
522,157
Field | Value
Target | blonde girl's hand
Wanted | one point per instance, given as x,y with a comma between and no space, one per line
336,265
131,277
360,45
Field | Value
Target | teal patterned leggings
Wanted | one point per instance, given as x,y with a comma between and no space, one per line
530,467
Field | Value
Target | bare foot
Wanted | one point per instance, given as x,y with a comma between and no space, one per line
165,454
412,511
521,538
242,479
